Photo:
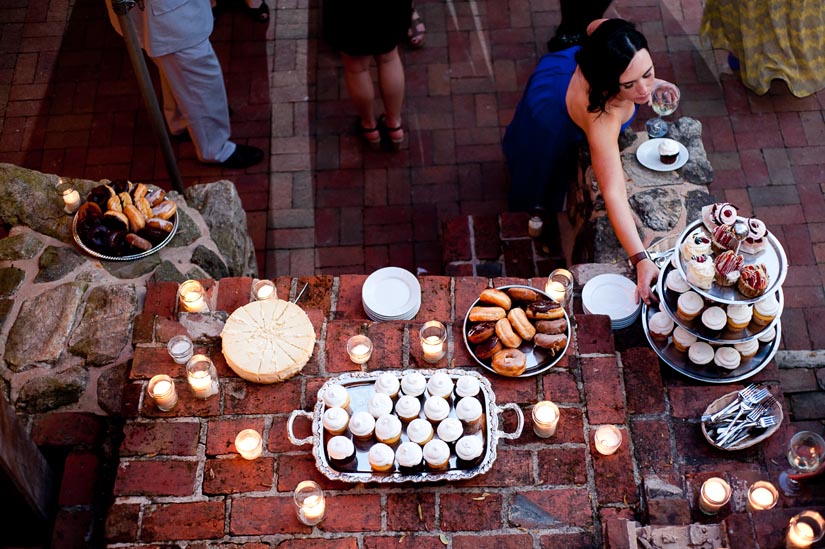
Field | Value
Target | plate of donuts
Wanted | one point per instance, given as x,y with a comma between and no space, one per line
516,331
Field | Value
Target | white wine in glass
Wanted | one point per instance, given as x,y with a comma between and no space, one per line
805,454
664,100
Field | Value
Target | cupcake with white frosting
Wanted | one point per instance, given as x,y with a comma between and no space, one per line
469,412
362,425
388,429
739,316
341,451
450,430
437,454
413,384
700,353
379,404
336,396
407,408
697,243
714,318
700,271
436,409
420,431
727,358
467,386
468,450
381,457
388,384
410,457
668,151
766,336
659,326
676,282
335,420
747,348
440,385
682,339
765,310
689,305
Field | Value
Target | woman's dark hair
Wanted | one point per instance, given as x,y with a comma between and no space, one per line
603,58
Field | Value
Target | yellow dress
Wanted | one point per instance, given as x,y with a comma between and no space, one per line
782,39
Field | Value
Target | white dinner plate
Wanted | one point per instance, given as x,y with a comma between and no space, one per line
391,293
648,155
612,295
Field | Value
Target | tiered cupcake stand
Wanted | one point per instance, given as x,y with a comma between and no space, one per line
776,264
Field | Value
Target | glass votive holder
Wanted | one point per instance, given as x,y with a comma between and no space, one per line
607,439
263,290
180,348
545,416
715,493
433,336
762,495
560,287
359,348
249,444
534,226
310,505
804,529
162,390
192,297
70,196
202,376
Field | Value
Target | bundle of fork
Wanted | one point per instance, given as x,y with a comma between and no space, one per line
750,412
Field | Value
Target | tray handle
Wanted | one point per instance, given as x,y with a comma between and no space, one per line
519,414
291,434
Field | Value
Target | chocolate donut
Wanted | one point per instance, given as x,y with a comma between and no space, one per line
481,332
488,348
551,342
544,309
558,326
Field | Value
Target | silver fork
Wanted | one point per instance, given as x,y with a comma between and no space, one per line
763,423
743,394
747,405
758,410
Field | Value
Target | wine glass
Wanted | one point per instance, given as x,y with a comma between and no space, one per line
805,453
664,100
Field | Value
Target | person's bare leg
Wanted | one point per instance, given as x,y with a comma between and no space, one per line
391,84
359,87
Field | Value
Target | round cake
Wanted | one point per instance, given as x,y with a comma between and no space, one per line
267,341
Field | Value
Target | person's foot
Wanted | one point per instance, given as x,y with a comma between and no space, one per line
243,157
415,34
260,14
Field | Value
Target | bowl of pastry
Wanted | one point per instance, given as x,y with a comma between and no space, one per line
516,330
124,221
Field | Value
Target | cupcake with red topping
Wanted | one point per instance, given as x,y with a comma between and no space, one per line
723,239
727,266
700,271
757,237
697,243
753,280
720,213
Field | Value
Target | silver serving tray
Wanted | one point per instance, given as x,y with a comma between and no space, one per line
773,257
360,386
539,360
695,326
710,373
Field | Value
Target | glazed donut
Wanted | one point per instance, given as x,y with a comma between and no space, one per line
156,196
126,199
544,309
551,342
522,294
158,223
518,320
505,333
558,326
509,362
496,297
145,208
136,219
480,314
139,191
164,210
481,332
113,204
486,349
138,242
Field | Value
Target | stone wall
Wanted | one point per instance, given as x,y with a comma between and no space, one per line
66,318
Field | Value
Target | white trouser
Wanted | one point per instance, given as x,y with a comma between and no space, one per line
194,99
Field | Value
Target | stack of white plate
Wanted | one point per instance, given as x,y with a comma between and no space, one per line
612,295
391,293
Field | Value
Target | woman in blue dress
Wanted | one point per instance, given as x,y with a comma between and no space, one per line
589,92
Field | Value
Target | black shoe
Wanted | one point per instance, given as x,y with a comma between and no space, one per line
243,157
181,137
563,41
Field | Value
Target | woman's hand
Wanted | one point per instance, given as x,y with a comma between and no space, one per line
646,274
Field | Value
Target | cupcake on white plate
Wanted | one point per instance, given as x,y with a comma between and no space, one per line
336,396
676,282
388,384
437,454
379,404
668,151
689,305
440,385
381,458
436,409
413,384
682,339
659,326
701,353
407,408
388,429
420,431
450,430
362,425
739,316
467,386
335,420
469,412
341,451
747,348
727,358
714,318
468,450
410,457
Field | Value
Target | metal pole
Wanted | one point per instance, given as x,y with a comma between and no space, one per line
127,26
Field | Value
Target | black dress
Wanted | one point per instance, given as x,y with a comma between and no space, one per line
366,27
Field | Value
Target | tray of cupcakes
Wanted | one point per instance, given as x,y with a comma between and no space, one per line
720,298
405,426
516,331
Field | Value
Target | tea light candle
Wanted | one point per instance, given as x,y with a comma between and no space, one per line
202,376
162,390
310,504
545,418
71,198
180,349
714,494
264,289
192,297
433,336
359,348
762,495
560,286
804,530
534,226
249,444
607,438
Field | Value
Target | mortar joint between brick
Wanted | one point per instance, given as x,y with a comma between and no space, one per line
333,298
322,352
